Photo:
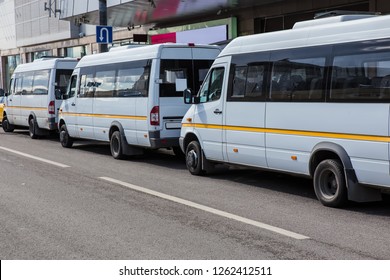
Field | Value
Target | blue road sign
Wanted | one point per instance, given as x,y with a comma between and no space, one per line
103,34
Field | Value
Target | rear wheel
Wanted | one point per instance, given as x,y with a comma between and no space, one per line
116,145
330,184
194,158
32,128
7,127
65,139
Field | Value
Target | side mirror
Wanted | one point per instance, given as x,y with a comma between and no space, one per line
187,93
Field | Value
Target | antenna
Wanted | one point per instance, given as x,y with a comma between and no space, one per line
52,8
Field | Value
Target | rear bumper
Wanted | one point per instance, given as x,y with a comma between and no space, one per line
157,142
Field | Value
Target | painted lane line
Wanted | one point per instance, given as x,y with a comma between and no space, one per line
208,209
35,158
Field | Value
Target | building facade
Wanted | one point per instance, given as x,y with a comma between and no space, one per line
30,29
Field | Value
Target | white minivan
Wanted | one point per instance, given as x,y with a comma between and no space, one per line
132,97
312,101
35,95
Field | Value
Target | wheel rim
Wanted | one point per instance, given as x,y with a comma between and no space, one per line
328,184
192,159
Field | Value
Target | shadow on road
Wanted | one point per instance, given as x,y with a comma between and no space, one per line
274,181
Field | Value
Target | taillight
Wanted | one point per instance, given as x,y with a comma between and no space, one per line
155,116
52,107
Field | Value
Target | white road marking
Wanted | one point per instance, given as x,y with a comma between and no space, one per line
208,209
34,157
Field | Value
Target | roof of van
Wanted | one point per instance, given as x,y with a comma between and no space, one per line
131,53
325,31
47,63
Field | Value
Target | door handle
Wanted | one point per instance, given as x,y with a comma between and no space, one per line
73,104
217,112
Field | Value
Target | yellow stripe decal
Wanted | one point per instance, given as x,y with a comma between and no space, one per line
27,108
106,116
360,137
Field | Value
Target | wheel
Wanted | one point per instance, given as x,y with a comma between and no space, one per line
330,184
194,158
65,139
116,145
7,127
32,129
178,152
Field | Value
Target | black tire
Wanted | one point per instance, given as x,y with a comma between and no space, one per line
194,158
7,127
32,129
116,145
330,184
65,140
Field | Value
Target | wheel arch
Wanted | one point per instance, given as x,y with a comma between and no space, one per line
32,116
60,123
189,137
116,126
356,192
329,150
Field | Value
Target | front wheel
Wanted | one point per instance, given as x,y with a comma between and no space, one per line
194,158
116,145
7,127
330,184
65,139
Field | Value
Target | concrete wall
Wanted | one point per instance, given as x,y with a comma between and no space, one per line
34,26
7,25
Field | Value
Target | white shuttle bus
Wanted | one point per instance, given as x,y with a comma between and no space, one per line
313,101
132,97
35,94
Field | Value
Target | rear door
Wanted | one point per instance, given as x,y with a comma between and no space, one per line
174,75
180,68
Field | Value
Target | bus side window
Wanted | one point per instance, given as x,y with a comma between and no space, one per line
298,79
71,88
212,86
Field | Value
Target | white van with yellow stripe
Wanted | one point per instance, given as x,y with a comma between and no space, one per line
35,94
132,97
312,101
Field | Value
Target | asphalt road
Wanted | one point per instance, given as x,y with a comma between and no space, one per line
80,203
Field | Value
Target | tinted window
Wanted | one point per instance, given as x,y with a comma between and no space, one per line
299,74
105,83
133,82
27,81
41,82
62,81
177,74
72,87
87,85
247,82
361,72
129,79
212,86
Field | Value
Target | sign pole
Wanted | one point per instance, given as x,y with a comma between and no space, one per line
102,21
